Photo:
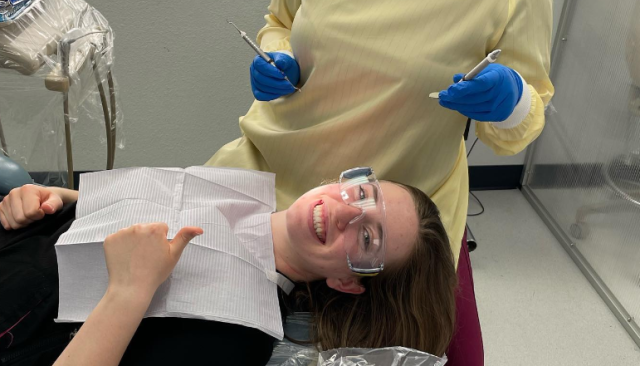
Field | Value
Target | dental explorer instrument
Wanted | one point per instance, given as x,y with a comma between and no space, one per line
491,58
261,53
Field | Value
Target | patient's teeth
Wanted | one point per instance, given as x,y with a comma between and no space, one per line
317,221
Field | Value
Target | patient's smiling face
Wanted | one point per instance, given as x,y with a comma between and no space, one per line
317,255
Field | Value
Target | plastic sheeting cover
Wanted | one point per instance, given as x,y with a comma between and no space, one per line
286,353
393,356
56,63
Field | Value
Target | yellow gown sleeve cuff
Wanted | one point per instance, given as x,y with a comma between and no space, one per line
287,53
281,45
510,141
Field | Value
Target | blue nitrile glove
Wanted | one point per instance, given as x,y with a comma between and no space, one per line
267,82
491,96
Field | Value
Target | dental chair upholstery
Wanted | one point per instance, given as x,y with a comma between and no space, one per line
466,348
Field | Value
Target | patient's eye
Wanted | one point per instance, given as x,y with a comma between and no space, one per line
366,239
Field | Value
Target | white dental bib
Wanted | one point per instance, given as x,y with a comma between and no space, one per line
227,274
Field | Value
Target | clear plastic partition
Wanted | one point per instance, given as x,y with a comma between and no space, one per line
583,173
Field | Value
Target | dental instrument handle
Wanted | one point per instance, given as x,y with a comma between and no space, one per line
255,47
264,55
491,58
261,53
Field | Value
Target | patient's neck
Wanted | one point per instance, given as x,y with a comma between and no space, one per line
285,263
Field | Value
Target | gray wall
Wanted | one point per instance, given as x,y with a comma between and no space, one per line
183,78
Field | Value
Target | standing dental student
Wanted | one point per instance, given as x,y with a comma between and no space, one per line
366,69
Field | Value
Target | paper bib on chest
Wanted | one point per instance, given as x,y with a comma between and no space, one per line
227,274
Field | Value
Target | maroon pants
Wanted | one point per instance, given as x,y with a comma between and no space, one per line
466,346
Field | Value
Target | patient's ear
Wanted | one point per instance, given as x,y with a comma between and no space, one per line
349,285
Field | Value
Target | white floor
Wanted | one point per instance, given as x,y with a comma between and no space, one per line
535,306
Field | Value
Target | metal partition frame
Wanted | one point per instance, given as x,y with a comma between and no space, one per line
628,322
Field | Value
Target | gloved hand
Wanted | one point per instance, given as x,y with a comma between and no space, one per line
267,82
491,96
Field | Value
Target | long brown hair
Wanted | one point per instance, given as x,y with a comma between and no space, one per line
411,305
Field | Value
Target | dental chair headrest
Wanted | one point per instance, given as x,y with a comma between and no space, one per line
12,175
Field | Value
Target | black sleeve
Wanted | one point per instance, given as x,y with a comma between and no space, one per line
173,341
29,279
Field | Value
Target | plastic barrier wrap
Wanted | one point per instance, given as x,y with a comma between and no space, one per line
393,356
289,354
286,353
56,61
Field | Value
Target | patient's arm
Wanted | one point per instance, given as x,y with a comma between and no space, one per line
105,335
67,195
138,260
29,203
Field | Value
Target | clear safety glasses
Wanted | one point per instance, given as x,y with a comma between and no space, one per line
364,235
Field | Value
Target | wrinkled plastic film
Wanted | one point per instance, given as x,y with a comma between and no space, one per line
286,353
289,354
393,356
56,71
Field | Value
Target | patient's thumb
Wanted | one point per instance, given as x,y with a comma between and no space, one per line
182,238
51,204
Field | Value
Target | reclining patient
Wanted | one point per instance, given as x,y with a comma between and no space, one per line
371,262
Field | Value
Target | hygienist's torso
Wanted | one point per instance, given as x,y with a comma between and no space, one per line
367,68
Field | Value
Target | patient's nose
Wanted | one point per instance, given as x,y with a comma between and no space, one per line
344,214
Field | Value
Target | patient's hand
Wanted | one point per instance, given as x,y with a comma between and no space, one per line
29,203
140,257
